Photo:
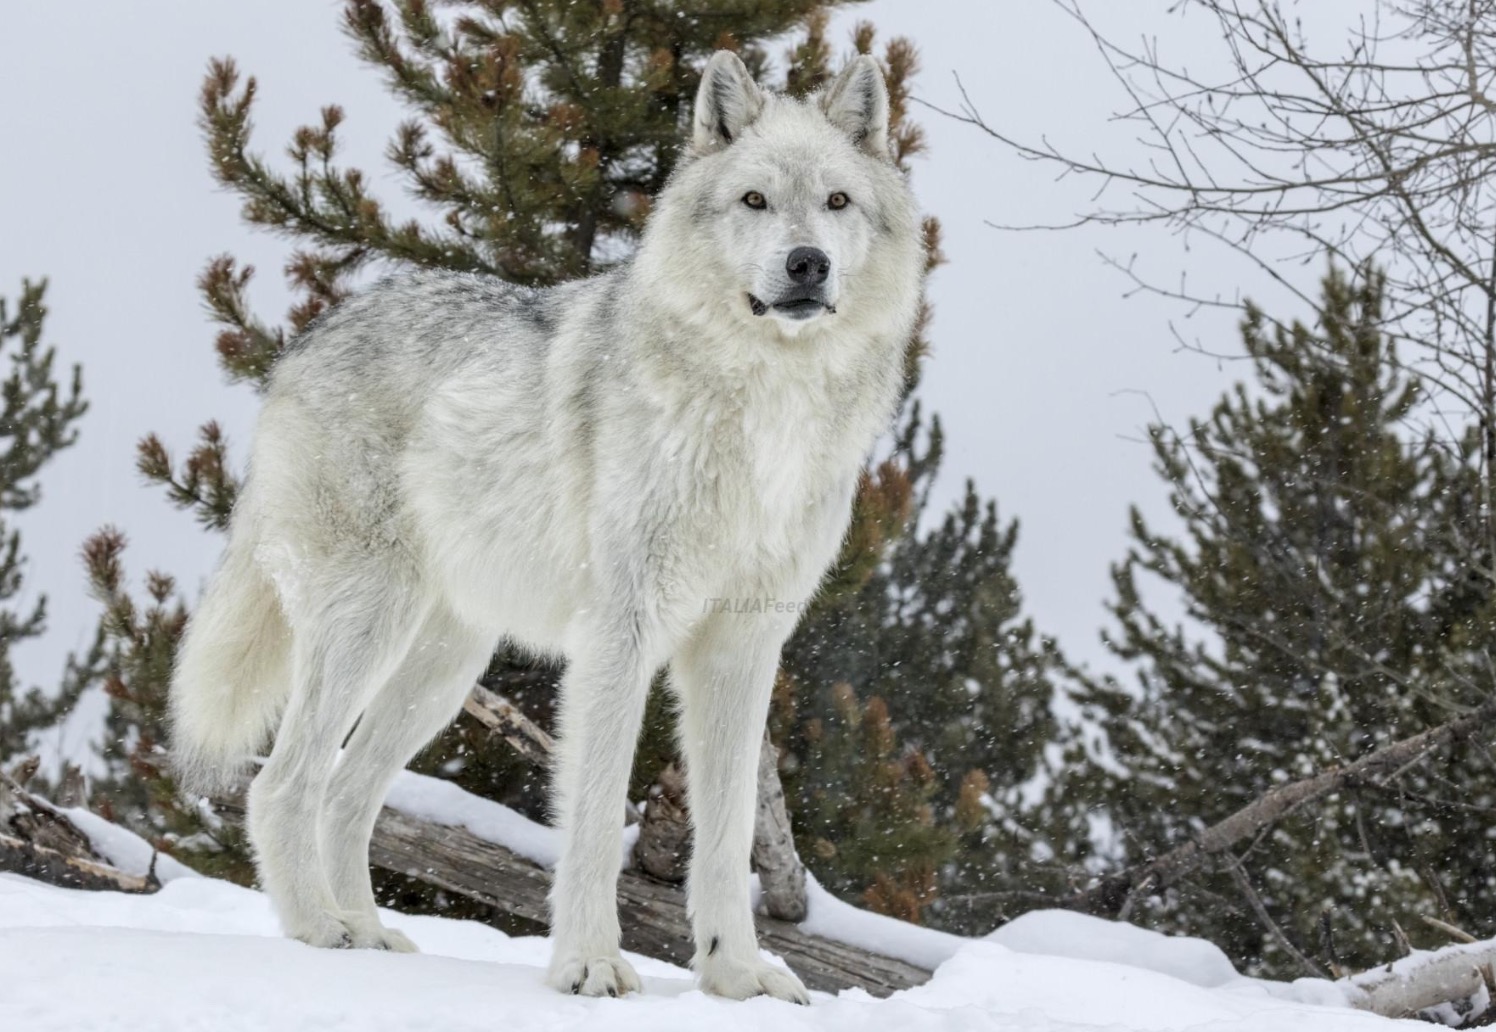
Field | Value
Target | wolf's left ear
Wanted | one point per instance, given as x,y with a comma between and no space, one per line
726,104
857,103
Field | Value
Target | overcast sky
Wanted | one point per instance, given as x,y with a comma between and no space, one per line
1044,374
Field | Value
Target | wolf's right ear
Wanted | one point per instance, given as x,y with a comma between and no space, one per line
726,104
857,103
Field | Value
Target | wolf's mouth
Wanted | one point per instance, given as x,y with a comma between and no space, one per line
795,307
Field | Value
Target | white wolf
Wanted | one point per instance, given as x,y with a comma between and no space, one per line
446,461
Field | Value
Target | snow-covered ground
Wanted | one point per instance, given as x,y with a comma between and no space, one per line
203,954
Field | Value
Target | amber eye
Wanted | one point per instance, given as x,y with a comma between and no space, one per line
838,201
755,200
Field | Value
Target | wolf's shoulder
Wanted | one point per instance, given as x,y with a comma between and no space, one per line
419,302
418,294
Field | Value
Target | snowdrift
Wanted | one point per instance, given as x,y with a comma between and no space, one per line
203,954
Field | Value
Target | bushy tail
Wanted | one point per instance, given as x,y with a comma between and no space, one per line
232,675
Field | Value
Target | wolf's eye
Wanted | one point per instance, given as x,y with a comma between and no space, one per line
838,201
755,200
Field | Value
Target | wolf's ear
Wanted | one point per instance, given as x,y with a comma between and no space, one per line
726,104
857,103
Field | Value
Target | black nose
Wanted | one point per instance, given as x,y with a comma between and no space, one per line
808,266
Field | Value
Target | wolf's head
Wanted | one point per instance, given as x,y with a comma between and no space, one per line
791,213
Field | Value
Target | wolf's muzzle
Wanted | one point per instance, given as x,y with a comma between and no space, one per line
808,269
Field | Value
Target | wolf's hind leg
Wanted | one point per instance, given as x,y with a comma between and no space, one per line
420,699
346,641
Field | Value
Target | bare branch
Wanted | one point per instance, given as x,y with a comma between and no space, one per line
1259,908
1384,151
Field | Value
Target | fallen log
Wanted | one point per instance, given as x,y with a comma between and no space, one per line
54,867
1424,980
652,913
39,841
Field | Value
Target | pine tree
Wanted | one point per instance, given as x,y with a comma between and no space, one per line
959,690
38,419
1332,607
864,809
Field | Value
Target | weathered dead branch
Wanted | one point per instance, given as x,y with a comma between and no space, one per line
38,841
508,721
781,875
1109,896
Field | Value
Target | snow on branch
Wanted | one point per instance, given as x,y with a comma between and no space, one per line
1425,980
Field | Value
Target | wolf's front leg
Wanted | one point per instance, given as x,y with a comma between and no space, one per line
724,679
602,705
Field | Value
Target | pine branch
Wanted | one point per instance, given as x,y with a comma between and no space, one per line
204,484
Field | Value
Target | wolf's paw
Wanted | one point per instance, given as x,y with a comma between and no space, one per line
323,931
739,980
571,972
375,936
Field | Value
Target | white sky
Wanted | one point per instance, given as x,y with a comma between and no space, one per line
1044,375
